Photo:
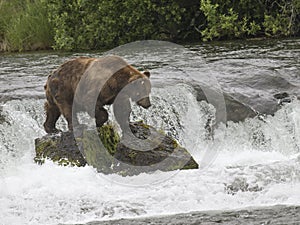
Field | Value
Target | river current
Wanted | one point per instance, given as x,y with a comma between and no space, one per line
253,162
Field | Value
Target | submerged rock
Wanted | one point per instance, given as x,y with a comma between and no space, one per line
144,150
236,111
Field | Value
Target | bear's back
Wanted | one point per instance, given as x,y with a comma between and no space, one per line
96,78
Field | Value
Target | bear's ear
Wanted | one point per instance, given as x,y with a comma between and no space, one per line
147,73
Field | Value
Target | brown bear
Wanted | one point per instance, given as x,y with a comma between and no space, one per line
88,84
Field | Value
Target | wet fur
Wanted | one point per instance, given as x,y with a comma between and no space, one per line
61,86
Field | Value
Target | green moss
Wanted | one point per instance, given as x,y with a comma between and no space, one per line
99,147
49,148
175,144
132,155
42,150
190,165
109,138
142,124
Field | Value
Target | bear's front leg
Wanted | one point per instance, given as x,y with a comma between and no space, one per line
101,116
52,115
122,110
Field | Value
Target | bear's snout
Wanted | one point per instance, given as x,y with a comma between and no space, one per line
145,102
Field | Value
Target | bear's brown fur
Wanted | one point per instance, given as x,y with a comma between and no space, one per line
110,73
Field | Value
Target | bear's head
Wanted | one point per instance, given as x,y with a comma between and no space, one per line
140,90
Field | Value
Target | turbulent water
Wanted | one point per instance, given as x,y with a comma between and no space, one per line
252,163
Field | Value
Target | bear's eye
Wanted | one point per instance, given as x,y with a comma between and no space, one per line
142,82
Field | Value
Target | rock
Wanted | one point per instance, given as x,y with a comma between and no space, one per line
236,110
60,148
241,184
98,148
281,95
164,153
263,95
145,150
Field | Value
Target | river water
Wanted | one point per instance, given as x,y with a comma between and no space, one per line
248,163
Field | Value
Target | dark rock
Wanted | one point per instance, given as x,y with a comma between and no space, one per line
165,153
281,95
145,150
283,98
241,184
60,148
235,110
98,148
260,102
262,94
278,214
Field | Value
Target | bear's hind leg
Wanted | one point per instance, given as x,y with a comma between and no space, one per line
101,116
67,113
52,115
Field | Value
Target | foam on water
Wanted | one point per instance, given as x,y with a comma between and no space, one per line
257,164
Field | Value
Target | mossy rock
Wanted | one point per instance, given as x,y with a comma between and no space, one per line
164,154
98,147
145,150
60,148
